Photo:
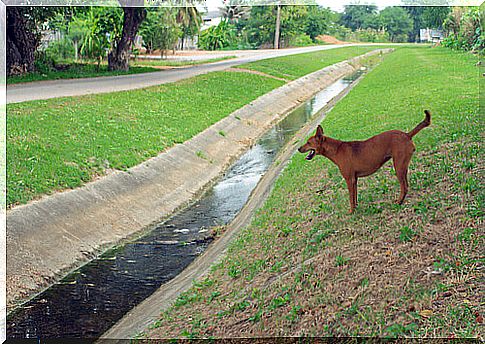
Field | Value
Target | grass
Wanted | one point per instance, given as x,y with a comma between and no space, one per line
294,66
76,71
304,267
88,70
62,143
171,63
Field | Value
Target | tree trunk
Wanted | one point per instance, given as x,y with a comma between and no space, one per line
277,30
21,42
119,56
76,56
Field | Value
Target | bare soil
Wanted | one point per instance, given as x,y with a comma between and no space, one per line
330,39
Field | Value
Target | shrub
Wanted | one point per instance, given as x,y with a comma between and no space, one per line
60,50
217,37
300,40
464,30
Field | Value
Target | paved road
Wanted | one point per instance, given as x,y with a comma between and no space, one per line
74,87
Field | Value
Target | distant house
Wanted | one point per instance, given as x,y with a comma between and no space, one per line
211,18
430,35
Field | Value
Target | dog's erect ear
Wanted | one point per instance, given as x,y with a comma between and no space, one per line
319,133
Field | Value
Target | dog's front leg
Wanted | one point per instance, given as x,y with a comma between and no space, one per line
352,186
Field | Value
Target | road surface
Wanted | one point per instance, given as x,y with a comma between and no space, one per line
17,93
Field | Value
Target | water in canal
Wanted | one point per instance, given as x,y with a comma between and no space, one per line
89,301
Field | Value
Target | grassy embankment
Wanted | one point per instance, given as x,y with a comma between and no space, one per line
88,70
306,267
62,143
294,66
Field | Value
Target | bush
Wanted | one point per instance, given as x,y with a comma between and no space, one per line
464,30
217,37
60,50
300,40
370,35
44,63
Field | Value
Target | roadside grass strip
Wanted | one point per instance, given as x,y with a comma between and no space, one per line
295,66
177,63
304,267
62,143
76,71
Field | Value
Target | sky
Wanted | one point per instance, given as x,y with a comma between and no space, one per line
338,6
334,5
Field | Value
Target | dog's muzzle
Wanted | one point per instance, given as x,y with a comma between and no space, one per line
310,155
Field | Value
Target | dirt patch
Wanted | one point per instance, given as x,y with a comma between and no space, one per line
330,39
415,270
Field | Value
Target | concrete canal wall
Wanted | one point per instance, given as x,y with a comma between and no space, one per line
49,237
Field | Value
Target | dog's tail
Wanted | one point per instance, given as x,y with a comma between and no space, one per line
423,124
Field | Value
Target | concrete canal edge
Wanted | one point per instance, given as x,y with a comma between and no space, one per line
147,312
50,237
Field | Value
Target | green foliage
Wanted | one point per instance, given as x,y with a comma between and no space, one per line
300,40
358,16
464,30
97,29
297,23
318,21
369,35
189,20
397,23
217,37
60,50
160,30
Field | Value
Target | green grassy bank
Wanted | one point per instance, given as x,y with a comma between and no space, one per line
62,143
304,267
74,70
294,66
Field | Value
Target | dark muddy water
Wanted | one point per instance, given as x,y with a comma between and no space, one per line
90,300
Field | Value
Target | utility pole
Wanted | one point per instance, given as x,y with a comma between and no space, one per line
277,30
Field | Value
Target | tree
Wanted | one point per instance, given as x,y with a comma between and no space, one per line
233,11
189,20
425,17
276,44
434,16
358,16
397,23
119,56
317,21
24,26
416,13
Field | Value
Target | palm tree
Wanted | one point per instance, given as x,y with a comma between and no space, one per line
190,21
234,12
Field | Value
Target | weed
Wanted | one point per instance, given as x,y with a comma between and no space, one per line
341,260
407,234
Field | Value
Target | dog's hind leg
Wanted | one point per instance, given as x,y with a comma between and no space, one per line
401,165
352,186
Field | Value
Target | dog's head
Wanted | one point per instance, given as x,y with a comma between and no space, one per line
314,144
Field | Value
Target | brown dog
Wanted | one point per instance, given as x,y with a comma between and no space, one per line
362,158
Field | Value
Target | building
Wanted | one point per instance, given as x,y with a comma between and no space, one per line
430,35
